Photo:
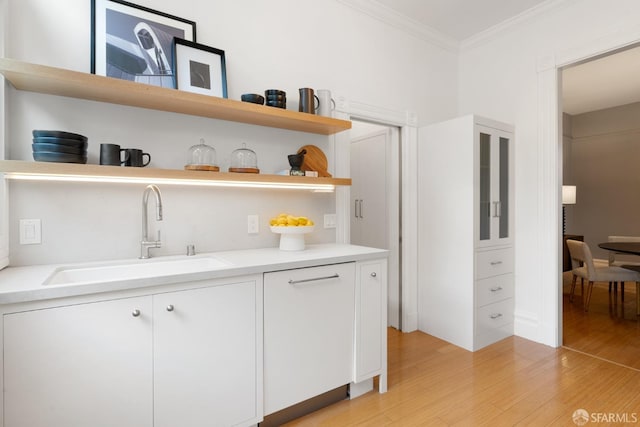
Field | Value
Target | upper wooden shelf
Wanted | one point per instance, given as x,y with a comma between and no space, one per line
57,81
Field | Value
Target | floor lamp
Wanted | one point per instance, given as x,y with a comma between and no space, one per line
568,198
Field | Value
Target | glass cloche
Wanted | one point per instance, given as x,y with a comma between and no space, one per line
202,157
244,160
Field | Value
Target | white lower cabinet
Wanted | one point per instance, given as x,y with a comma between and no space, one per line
80,365
185,358
371,322
308,333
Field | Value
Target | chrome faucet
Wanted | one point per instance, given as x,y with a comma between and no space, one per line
145,243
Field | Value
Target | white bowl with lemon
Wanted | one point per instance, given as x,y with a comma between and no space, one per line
292,230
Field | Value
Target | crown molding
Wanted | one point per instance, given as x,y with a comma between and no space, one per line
391,17
508,24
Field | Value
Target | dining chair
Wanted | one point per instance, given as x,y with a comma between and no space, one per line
583,267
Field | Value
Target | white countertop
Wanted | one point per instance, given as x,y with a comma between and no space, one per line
22,284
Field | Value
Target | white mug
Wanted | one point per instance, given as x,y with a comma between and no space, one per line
325,102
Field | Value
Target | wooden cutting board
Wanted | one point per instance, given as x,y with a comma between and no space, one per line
314,160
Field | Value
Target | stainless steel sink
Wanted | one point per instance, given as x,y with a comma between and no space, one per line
133,269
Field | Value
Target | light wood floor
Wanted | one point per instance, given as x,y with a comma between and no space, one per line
513,382
610,329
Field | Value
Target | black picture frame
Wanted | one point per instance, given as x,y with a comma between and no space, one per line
133,42
199,68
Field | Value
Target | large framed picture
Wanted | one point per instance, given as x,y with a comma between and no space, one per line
199,68
132,42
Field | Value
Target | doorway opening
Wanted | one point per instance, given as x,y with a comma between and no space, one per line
375,201
599,128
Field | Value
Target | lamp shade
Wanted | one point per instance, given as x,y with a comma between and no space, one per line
568,194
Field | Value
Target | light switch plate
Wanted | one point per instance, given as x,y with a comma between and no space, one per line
253,224
30,232
329,220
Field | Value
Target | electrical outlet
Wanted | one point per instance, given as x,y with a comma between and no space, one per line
329,220
30,232
253,224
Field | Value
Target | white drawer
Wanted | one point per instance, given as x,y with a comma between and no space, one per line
494,316
494,263
494,289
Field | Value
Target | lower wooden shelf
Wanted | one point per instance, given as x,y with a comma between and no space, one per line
18,169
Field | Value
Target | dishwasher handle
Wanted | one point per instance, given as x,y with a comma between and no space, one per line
314,279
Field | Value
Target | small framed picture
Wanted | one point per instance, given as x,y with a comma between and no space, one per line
199,69
132,42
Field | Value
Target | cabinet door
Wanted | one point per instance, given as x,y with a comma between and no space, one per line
370,320
80,365
205,356
494,192
308,333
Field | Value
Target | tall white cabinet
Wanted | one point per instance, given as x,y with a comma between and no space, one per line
466,206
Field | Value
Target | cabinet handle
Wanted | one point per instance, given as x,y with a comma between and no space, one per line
135,313
361,215
315,279
495,262
496,209
496,315
374,274
355,208
170,307
496,289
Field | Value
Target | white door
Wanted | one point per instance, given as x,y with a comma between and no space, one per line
375,204
205,356
80,365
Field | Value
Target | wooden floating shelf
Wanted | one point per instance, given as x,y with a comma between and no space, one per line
17,169
57,81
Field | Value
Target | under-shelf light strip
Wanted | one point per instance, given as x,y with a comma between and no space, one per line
195,182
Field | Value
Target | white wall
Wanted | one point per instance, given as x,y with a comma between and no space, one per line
499,78
604,157
285,44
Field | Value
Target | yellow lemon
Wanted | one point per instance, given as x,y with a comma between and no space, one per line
292,221
302,220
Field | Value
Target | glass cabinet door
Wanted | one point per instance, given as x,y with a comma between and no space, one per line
494,186
485,186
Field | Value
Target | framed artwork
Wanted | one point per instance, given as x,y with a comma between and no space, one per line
132,42
199,68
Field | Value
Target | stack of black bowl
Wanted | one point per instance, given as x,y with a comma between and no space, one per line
276,98
59,146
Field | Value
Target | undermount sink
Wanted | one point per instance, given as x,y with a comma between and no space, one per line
134,269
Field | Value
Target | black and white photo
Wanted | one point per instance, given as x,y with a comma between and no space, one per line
199,68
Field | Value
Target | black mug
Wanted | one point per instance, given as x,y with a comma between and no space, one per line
136,158
111,154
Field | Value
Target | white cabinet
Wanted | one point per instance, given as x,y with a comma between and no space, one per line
308,333
371,330
466,206
188,358
206,356
80,365
369,208
493,197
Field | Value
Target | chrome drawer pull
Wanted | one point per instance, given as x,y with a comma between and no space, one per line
374,274
495,262
315,279
135,313
496,315
496,289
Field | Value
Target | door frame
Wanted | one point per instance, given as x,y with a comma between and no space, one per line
547,328
406,121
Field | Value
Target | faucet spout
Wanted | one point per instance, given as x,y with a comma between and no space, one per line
145,243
